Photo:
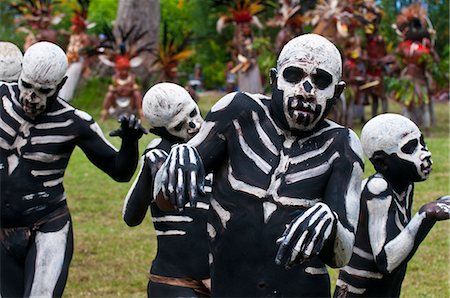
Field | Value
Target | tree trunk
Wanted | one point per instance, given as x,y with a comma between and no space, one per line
145,16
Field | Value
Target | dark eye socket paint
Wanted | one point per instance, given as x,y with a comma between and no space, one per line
322,79
26,84
193,113
293,74
179,126
409,147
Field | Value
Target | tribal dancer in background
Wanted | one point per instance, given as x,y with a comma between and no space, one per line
10,62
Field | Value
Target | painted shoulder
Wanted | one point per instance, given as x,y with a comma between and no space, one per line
159,143
238,103
344,132
376,186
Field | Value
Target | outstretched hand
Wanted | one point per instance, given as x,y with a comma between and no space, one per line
438,210
130,128
182,177
305,236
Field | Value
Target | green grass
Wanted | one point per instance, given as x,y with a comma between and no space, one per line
112,260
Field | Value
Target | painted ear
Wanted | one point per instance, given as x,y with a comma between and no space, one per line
339,88
273,75
380,162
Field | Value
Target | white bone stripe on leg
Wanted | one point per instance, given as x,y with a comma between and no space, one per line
263,136
257,160
223,214
172,218
50,251
311,154
170,233
52,125
51,139
310,173
350,288
362,273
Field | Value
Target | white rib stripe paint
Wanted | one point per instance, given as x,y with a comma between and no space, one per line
310,173
52,183
398,223
378,213
6,128
223,214
51,139
13,94
350,288
207,189
266,110
170,233
4,144
362,253
201,205
52,125
268,208
297,202
244,187
46,172
9,109
50,251
362,273
257,160
263,136
316,270
172,218
13,162
44,157
311,154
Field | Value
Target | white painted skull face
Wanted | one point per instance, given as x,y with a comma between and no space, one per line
10,62
170,106
44,67
395,134
308,69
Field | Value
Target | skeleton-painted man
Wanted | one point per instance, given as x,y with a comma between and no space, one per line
38,133
276,162
10,62
180,267
387,237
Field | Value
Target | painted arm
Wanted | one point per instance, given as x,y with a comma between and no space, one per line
390,254
328,228
139,196
119,165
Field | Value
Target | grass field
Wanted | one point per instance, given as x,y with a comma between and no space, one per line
112,260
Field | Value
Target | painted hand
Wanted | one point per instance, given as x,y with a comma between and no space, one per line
182,176
305,236
130,128
438,210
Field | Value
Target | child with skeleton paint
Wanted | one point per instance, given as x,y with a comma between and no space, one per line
181,266
387,236
38,134
279,166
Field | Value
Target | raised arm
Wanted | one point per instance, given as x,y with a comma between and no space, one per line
389,254
140,194
119,165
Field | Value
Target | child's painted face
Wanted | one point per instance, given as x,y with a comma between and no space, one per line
414,151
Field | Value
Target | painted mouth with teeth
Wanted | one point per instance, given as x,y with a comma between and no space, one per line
301,111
